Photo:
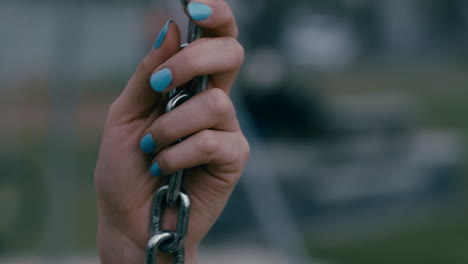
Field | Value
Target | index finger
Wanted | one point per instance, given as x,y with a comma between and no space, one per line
214,16
138,99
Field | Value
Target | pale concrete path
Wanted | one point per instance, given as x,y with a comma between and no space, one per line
211,255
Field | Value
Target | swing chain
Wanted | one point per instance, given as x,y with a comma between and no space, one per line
171,195
169,242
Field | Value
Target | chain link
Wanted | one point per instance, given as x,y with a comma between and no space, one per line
172,242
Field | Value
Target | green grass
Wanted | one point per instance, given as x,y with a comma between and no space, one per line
440,95
441,242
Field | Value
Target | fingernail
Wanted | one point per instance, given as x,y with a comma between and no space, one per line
199,11
162,35
161,80
147,144
155,170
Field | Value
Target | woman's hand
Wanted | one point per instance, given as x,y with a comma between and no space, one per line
138,150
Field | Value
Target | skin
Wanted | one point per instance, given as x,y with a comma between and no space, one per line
215,150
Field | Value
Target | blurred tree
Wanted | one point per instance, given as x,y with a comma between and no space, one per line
446,22
22,203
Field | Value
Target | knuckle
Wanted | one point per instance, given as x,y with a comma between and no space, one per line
236,50
242,152
166,164
207,143
219,103
112,108
245,148
115,113
190,57
235,33
160,134
225,5
228,17
145,65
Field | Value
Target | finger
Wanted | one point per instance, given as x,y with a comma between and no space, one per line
211,109
219,57
138,98
216,148
214,16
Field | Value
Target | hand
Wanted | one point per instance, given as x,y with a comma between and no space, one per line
214,152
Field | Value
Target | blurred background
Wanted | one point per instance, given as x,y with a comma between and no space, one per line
355,110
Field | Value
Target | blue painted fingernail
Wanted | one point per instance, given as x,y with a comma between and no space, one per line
199,11
147,144
161,80
155,170
162,35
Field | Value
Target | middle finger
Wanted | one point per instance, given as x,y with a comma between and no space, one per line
219,57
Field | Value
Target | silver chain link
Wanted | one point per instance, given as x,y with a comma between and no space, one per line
172,242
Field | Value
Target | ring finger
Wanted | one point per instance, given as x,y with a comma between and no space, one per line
211,109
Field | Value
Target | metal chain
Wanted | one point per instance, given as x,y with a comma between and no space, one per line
172,242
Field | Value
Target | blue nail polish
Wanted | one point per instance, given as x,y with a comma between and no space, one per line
162,35
161,80
147,144
155,170
199,11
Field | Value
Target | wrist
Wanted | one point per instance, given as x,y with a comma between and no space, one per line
114,247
